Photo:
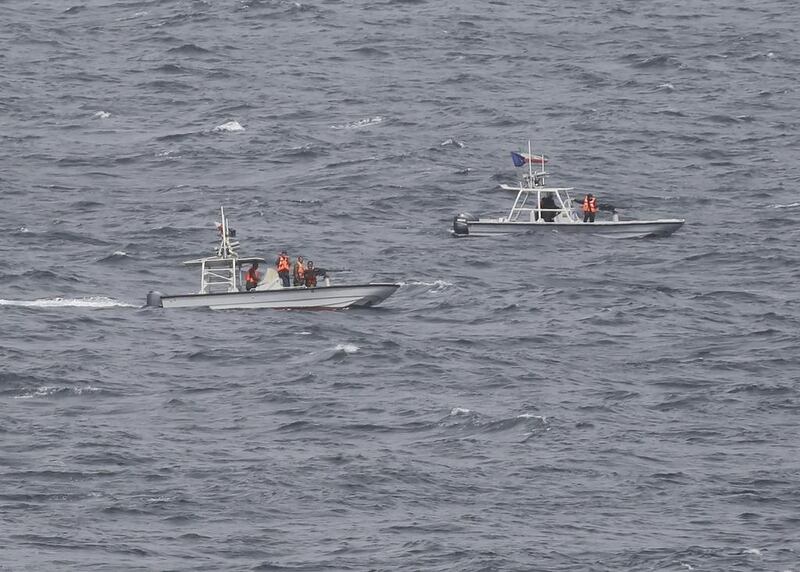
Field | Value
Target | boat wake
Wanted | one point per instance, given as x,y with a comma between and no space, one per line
58,302
435,286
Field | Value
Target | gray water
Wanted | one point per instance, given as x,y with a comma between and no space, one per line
521,403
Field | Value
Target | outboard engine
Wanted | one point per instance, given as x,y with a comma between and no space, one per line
154,299
460,226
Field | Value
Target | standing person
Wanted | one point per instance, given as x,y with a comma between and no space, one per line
547,208
589,208
311,275
251,277
283,264
299,271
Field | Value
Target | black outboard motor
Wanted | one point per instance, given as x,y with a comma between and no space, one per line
154,299
460,226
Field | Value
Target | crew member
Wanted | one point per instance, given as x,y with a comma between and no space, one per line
299,271
283,265
252,277
548,206
589,208
310,275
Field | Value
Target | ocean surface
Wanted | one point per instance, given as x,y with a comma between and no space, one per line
521,403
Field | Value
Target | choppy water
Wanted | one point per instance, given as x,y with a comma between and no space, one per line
519,404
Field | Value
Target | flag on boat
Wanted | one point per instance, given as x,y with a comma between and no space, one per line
521,159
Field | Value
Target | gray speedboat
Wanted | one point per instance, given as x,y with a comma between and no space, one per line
539,208
222,286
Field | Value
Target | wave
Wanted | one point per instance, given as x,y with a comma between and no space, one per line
366,122
229,127
101,115
789,206
116,256
190,49
723,119
346,348
48,390
452,143
170,68
58,302
307,150
655,62
176,136
369,51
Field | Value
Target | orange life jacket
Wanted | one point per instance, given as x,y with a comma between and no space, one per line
299,270
251,276
590,205
283,263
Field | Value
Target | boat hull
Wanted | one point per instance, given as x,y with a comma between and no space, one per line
323,297
611,229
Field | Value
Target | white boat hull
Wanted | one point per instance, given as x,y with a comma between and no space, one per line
611,229
322,297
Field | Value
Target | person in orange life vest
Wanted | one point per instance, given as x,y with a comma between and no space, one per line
310,275
589,208
251,277
283,265
299,271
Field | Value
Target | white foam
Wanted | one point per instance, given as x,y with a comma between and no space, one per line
789,206
366,122
229,127
347,348
754,551
58,302
102,115
47,390
667,86
120,253
459,411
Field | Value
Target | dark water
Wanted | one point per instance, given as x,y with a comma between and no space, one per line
520,404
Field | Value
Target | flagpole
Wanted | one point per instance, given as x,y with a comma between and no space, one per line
530,161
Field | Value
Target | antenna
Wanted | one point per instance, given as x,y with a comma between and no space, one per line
226,247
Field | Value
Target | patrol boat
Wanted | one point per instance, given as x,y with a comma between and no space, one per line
222,285
539,207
